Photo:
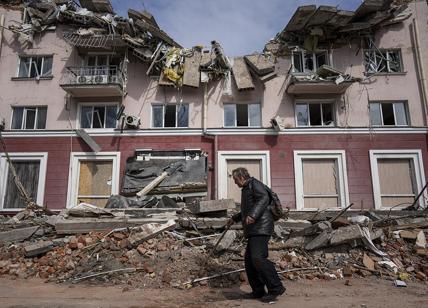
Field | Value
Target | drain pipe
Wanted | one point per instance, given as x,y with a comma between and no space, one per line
211,136
421,71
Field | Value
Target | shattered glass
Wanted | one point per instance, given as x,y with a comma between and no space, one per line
229,115
24,67
18,113
99,114
183,115
86,117
157,113
302,114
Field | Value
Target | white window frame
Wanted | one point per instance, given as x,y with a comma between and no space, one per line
388,58
74,172
223,156
41,157
339,156
308,102
414,155
24,117
98,104
303,54
163,115
248,115
31,65
406,113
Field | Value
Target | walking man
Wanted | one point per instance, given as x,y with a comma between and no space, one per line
258,223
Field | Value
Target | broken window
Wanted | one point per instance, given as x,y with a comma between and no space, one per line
304,61
170,115
315,114
30,169
98,65
29,117
98,116
35,66
28,174
383,61
397,181
388,113
247,115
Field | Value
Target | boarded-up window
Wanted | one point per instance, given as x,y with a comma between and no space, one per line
95,182
397,181
320,183
28,173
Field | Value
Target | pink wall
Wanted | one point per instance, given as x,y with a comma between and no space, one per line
142,91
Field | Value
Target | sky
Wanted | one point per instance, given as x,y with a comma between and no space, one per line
240,26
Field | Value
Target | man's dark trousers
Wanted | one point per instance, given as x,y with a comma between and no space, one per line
260,271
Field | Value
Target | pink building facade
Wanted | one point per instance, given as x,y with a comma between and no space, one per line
364,144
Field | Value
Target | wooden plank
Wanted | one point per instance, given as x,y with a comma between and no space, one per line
17,235
260,64
242,75
85,225
191,75
149,231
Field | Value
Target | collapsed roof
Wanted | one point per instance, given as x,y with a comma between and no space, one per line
94,25
326,26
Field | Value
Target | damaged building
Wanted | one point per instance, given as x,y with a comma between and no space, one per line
333,111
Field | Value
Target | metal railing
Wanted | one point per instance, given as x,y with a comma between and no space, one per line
92,75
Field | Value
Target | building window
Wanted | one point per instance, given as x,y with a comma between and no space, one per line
98,116
305,61
383,61
236,115
320,179
315,114
94,178
388,113
35,66
29,117
398,176
170,115
31,171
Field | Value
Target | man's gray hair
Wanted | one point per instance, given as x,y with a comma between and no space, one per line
241,172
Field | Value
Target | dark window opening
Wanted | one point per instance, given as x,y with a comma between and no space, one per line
169,116
388,114
241,115
315,114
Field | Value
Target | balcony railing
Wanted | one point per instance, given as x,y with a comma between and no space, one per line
93,80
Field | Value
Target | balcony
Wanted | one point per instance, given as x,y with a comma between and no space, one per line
90,81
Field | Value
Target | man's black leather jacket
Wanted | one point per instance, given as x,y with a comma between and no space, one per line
255,202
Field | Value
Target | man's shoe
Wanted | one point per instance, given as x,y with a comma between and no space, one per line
254,295
272,295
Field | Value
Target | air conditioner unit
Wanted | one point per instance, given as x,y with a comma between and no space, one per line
132,122
101,79
84,79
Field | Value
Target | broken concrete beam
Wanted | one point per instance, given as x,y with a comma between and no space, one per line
38,248
320,241
296,242
294,224
316,228
227,240
88,140
300,17
260,64
212,206
142,15
191,76
17,235
421,241
99,6
149,231
346,234
267,77
86,225
340,19
242,75
323,14
206,223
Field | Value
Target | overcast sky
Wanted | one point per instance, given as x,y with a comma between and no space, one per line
241,26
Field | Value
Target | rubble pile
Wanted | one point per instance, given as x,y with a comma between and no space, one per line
175,254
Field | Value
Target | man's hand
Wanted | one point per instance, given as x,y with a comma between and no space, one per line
249,220
230,222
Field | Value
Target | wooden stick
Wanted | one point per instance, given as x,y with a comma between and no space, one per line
121,270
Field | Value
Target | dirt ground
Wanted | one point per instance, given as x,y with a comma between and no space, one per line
368,292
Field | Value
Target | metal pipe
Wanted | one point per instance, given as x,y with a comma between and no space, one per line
1,30
421,71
